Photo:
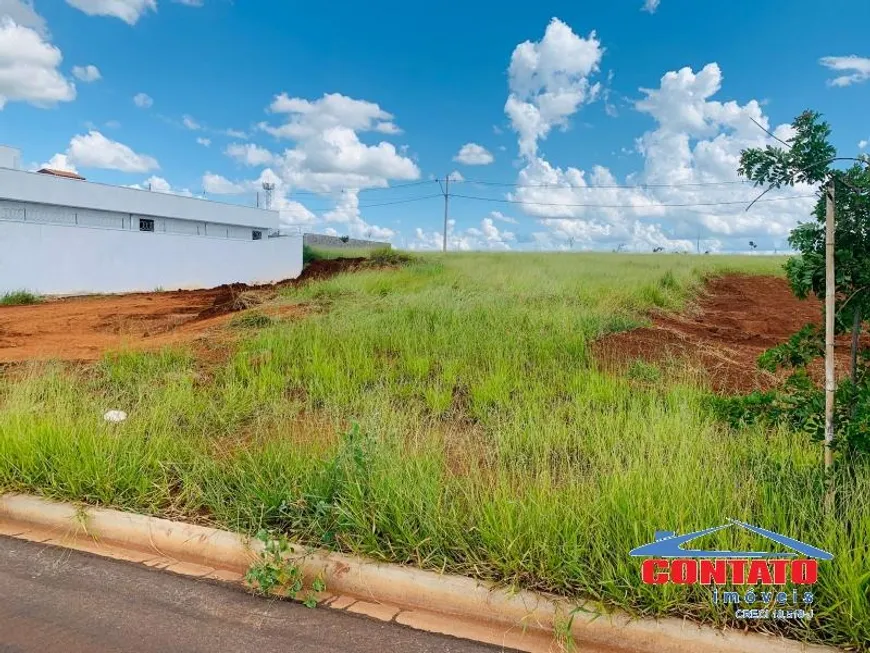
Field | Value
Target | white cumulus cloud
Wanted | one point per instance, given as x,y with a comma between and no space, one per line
329,153
22,12
60,162
328,157
486,237
500,217
695,144
472,154
219,185
858,69
29,66
549,81
249,154
650,6
130,11
157,184
93,150
143,100
87,74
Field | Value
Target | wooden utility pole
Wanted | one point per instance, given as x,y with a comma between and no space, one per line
830,307
446,209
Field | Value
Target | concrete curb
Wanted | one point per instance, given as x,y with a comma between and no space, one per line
449,604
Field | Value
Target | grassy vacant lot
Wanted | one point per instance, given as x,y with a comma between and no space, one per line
485,441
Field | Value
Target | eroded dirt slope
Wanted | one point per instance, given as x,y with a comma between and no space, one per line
83,328
735,319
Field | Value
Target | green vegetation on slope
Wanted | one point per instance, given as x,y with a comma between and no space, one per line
484,440
19,298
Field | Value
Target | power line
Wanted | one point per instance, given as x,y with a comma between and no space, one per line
627,206
402,201
405,185
327,193
622,186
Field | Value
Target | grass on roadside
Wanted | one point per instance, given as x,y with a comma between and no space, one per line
447,414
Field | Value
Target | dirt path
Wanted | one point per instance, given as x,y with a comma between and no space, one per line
736,319
83,328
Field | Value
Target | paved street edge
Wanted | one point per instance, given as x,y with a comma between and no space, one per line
442,603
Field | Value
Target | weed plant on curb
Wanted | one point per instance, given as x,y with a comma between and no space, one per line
487,441
277,573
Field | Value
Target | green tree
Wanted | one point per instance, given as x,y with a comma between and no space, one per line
807,157
806,272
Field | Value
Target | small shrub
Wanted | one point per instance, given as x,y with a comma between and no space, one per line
642,371
800,349
800,404
252,320
668,281
388,256
309,255
19,298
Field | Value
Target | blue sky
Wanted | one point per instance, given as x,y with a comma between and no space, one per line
345,106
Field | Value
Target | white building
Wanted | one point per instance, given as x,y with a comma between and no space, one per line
63,235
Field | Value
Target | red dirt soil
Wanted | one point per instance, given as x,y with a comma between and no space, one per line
736,319
84,328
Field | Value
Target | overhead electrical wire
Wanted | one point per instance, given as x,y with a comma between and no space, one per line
327,193
625,206
516,185
613,186
404,185
402,201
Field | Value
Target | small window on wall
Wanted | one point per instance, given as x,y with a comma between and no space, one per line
146,225
258,235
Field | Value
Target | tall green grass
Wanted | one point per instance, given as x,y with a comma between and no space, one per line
314,253
449,415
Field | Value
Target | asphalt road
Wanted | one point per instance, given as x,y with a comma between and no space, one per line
57,600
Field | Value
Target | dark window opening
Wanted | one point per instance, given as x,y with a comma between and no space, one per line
146,225
258,235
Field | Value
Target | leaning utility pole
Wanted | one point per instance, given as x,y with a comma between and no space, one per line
830,298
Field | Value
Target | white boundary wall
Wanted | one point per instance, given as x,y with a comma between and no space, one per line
20,186
52,259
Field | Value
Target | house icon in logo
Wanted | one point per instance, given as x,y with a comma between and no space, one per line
668,544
